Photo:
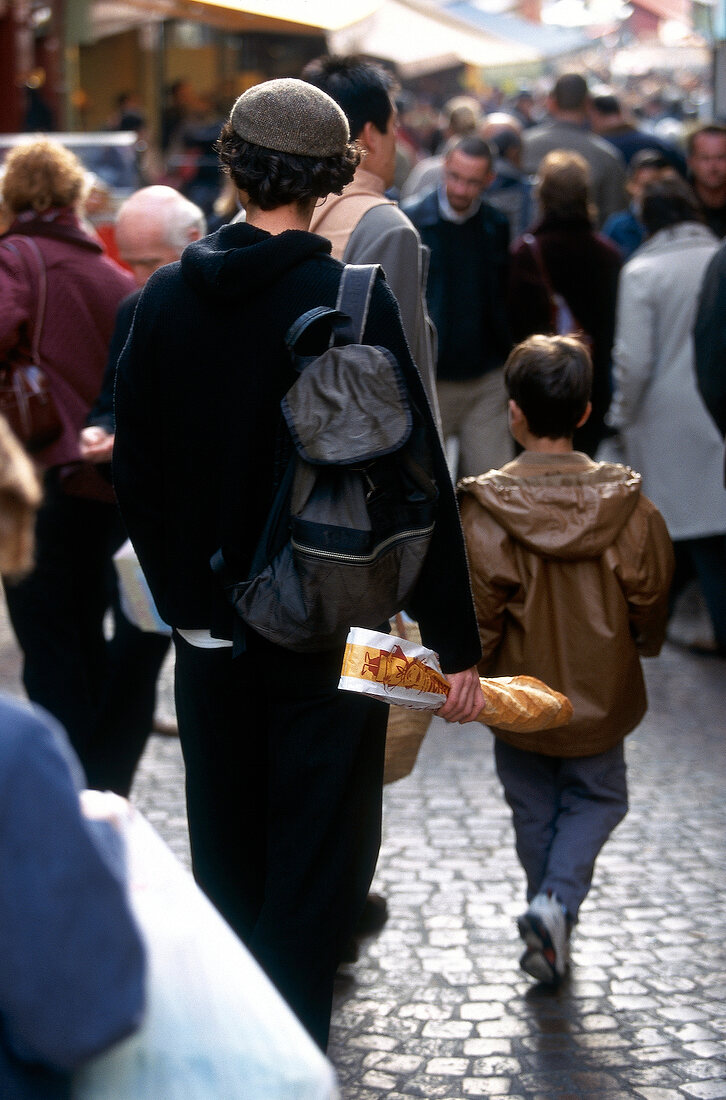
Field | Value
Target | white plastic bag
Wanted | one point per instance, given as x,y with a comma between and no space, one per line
137,603
215,1026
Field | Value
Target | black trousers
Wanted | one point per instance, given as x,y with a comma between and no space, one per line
283,781
57,611
102,692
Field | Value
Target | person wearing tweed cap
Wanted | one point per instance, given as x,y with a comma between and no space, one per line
283,771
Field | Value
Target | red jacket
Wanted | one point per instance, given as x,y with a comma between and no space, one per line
84,289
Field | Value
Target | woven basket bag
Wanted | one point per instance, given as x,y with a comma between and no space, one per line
406,728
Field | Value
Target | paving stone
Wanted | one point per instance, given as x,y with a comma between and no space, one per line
437,1008
706,1090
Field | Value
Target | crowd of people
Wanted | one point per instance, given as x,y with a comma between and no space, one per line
540,284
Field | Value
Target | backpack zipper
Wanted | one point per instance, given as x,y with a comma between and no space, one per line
361,559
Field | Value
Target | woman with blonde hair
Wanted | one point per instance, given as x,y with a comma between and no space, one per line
57,286
564,262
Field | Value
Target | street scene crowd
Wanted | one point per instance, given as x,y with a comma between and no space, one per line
548,286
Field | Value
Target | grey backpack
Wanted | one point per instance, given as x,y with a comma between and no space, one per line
353,516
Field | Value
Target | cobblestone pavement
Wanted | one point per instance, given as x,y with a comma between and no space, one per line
436,1006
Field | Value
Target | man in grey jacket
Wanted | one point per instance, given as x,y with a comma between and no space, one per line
364,225
567,129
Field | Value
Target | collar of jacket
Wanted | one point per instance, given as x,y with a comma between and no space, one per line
59,224
684,234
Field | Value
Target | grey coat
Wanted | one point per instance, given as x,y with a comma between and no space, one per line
665,429
607,166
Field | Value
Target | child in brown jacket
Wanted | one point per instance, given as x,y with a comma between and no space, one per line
571,567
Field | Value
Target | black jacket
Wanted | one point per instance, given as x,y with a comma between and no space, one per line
469,263
710,339
198,395
101,415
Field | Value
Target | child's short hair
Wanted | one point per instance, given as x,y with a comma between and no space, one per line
550,378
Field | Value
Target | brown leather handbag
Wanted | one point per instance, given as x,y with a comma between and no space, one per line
25,398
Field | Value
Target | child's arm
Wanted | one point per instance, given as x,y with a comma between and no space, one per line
492,577
645,571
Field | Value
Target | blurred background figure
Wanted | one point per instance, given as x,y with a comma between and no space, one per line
609,119
565,255
462,116
626,229
665,430
57,611
363,224
153,228
524,110
467,295
707,173
511,190
71,958
566,128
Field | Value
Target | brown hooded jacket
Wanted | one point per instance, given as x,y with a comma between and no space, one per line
571,567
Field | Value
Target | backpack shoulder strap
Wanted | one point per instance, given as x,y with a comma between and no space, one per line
348,320
354,295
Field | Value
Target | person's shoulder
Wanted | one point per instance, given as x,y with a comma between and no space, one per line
541,132
17,721
383,229
606,248
22,733
603,149
423,209
386,216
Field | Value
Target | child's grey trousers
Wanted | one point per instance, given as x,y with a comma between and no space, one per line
564,809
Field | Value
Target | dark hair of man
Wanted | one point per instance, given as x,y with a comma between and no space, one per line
570,92
362,89
273,179
472,146
550,378
667,202
506,141
606,103
646,158
714,129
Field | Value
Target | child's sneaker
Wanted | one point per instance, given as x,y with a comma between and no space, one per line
544,929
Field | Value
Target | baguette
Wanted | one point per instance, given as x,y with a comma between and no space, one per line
522,704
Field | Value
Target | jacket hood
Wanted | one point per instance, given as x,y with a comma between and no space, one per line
241,259
561,506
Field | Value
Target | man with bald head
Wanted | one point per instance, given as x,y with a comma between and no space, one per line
153,228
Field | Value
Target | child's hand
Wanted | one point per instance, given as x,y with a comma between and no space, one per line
465,698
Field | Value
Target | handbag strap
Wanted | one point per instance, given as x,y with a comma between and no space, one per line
533,245
42,292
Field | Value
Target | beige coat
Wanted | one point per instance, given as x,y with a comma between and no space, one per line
571,567
364,227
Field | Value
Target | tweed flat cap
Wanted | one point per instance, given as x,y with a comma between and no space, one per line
291,116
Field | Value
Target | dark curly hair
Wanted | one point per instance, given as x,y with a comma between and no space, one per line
273,179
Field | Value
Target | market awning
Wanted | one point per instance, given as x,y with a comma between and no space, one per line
282,16
420,38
